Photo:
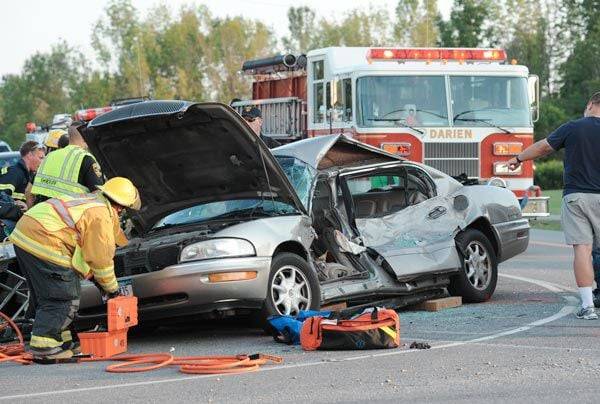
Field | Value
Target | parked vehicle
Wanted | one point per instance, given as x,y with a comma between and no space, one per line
228,228
9,158
4,147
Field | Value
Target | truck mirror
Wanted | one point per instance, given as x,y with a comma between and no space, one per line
533,88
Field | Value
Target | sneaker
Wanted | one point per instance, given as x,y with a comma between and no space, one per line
587,313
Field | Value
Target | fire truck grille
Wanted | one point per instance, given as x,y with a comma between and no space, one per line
453,158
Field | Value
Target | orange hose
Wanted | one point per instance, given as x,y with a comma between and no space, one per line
206,365
187,364
14,352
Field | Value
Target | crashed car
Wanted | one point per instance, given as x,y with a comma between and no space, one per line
228,227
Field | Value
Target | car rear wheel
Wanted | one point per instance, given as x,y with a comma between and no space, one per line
293,287
478,276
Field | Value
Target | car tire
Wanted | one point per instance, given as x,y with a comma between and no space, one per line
477,278
305,285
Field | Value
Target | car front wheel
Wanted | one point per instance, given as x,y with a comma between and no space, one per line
293,287
478,276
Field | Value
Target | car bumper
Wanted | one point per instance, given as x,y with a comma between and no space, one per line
513,238
183,289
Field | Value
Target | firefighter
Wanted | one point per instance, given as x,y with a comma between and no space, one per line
53,138
14,181
60,241
253,116
70,171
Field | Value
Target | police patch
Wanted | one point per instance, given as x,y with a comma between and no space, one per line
97,170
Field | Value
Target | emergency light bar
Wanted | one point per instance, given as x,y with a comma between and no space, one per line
89,114
460,54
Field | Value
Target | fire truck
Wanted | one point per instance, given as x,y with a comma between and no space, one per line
464,111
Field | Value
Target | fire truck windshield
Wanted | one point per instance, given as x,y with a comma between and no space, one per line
421,101
488,100
412,100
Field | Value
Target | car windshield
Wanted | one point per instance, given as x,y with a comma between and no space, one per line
300,175
486,101
231,209
391,101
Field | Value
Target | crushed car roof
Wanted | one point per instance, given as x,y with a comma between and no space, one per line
324,152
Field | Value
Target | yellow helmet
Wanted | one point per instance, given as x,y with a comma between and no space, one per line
122,191
53,136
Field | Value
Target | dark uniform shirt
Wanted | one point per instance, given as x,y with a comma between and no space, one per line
581,140
269,141
90,176
14,180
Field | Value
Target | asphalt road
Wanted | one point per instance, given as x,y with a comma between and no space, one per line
524,345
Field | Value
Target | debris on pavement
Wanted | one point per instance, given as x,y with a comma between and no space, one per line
420,345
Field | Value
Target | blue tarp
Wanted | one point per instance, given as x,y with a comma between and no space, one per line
288,328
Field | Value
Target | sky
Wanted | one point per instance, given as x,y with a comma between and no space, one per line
29,26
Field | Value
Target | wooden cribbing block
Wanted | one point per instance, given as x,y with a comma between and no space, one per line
335,307
440,304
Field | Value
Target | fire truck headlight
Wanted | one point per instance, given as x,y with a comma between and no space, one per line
502,168
507,148
400,149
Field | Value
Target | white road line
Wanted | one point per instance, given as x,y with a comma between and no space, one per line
553,287
548,244
565,311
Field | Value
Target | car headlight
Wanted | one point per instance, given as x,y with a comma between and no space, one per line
217,248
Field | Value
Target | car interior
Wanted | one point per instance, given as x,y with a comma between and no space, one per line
384,193
373,195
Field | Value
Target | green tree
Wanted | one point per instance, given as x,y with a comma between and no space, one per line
417,23
357,28
581,73
44,88
302,27
233,41
466,26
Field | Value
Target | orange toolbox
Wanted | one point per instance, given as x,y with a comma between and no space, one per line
121,314
103,344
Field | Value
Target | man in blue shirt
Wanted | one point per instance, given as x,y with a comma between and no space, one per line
581,196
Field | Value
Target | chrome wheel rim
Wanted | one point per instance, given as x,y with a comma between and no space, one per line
290,291
478,265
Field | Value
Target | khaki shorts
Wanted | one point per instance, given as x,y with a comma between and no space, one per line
580,216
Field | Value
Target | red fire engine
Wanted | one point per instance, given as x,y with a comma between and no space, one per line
460,110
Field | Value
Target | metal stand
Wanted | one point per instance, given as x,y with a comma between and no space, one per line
13,286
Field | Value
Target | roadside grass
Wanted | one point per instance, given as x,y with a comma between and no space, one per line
555,199
545,224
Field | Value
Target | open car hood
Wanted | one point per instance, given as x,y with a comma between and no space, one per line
180,154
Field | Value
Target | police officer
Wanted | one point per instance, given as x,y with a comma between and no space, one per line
14,181
69,171
253,116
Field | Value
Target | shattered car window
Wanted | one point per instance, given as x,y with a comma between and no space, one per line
300,175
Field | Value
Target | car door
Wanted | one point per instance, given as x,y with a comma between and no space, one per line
398,215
